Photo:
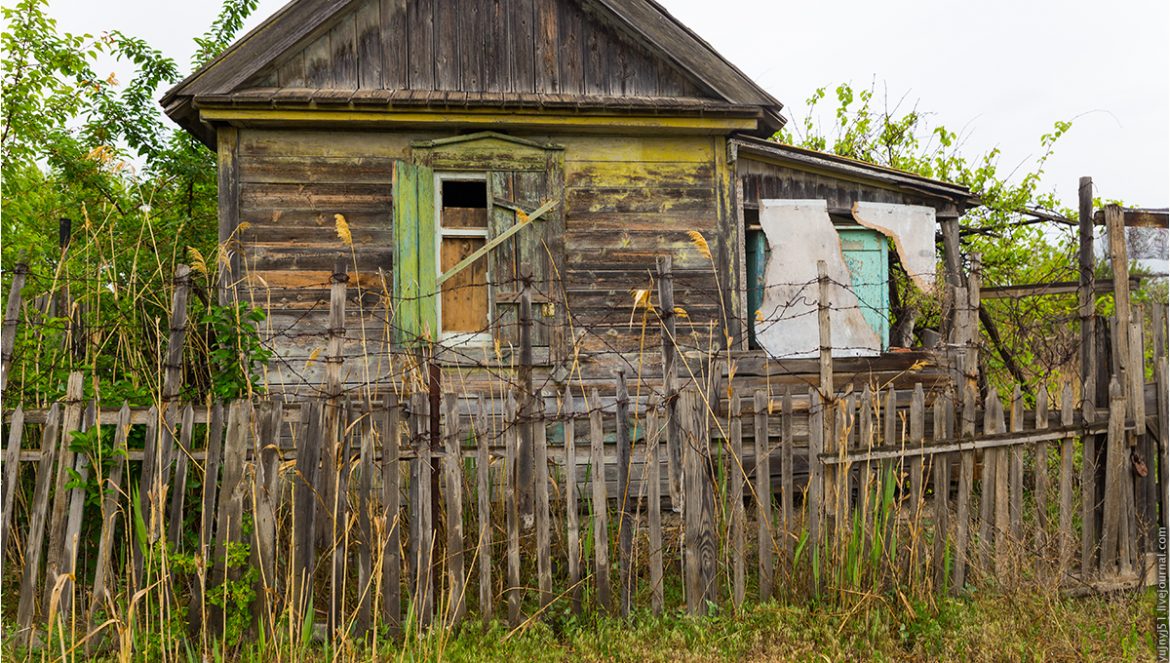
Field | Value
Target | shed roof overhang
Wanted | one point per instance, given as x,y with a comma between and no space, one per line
953,199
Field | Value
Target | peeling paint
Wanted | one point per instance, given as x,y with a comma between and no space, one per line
800,233
912,228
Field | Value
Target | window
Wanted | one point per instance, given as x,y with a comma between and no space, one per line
462,229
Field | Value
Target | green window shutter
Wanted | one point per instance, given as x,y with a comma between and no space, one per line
757,262
415,314
867,257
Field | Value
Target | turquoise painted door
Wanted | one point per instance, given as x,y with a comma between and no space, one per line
867,257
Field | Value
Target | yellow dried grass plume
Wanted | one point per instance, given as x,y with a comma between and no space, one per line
700,243
198,262
342,228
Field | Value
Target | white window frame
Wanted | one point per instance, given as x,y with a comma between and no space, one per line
460,338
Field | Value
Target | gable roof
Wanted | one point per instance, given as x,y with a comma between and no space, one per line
602,54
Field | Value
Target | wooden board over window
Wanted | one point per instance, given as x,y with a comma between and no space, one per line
465,306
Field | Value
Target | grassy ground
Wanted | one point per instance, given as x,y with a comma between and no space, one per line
992,627
1025,627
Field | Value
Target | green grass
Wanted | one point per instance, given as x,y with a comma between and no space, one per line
990,627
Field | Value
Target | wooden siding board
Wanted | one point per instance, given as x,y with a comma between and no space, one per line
449,39
570,49
368,29
421,44
343,45
521,40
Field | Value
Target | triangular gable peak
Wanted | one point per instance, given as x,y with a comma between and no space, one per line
619,53
479,46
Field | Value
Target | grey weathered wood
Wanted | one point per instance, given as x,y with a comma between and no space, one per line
1002,494
230,511
111,490
525,463
207,503
699,505
543,518
365,553
816,472
179,487
867,497
1040,481
654,510
625,499
1065,479
483,494
787,443
987,488
305,505
736,476
142,502
172,384
391,515
11,318
423,530
514,589
1115,464
941,480
669,378
263,501
453,474
572,515
1016,470
11,471
1089,504
763,495
71,543
38,512
339,509
963,498
66,457
600,502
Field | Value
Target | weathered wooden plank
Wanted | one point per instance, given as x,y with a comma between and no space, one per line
940,468
514,589
453,474
1089,503
338,444
393,44
543,520
1016,470
546,46
917,425
963,498
210,482
423,528
111,488
787,486
625,499
600,503
1065,479
667,317
1003,495
11,471
365,556
521,29
1115,464
763,494
305,505
391,515
265,499
70,423
736,476
654,515
816,473
71,543
700,505
484,508
38,512
11,318
179,487
230,511
1040,482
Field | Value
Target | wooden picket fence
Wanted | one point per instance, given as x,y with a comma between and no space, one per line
351,509
396,510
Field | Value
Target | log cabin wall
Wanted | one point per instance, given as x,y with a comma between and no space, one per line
627,199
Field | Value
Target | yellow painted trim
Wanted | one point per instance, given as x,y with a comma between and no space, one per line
528,119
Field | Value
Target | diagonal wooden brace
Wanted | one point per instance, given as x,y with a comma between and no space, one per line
499,239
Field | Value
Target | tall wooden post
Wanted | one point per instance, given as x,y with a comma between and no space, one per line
669,381
11,315
525,468
1085,294
827,390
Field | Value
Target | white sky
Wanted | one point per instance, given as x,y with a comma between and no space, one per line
1002,71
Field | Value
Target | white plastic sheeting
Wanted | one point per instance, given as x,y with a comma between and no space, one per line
800,233
912,228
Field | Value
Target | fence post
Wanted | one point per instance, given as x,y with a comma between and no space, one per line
670,380
524,459
11,317
827,392
600,502
625,510
764,534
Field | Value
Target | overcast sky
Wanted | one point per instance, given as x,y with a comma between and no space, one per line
1001,71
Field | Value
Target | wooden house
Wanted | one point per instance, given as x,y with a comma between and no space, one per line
567,144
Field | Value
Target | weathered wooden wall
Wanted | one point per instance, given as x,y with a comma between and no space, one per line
628,200
763,180
510,46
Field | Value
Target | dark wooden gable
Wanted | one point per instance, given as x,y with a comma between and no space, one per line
565,47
